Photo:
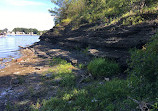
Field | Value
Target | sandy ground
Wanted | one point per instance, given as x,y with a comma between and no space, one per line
28,63
21,77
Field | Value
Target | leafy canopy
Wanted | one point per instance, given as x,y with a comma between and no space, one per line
87,11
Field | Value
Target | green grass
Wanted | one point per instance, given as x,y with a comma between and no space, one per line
85,51
100,67
61,73
94,97
108,96
81,66
56,61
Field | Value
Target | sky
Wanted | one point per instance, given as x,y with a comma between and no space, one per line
26,14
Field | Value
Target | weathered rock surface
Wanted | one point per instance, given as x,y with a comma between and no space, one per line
96,40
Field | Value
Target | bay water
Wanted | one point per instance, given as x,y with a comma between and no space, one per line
10,45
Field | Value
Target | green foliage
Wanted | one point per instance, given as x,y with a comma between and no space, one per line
36,106
88,11
4,30
66,21
81,66
155,106
41,32
144,69
20,79
103,67
57,61
96,97
62,72
133,20
85,51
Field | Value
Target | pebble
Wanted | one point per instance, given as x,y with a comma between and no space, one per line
74,61
37,68
106,79
94,100
16,73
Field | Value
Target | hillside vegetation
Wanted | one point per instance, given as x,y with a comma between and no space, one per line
78,12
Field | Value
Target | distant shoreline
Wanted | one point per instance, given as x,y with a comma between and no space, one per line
22,35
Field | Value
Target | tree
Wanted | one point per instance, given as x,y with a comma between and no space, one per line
81,11
26,30
5,30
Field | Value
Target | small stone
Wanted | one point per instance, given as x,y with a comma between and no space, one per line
16,73
74,61
101,82
37,68
106,79
94,100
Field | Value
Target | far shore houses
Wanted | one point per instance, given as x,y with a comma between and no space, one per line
20,33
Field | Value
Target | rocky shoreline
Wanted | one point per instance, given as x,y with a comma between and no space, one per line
96,40
25,73
15,78
21,81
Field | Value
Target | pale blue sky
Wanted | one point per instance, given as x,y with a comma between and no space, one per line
26,13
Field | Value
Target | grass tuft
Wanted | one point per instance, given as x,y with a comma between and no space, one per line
100,67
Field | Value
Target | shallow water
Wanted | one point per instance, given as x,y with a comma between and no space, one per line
9,45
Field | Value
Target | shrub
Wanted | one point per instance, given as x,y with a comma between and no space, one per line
65,21
144,68
112,96
133,20
103,67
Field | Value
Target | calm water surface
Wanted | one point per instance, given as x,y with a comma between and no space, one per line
9,45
